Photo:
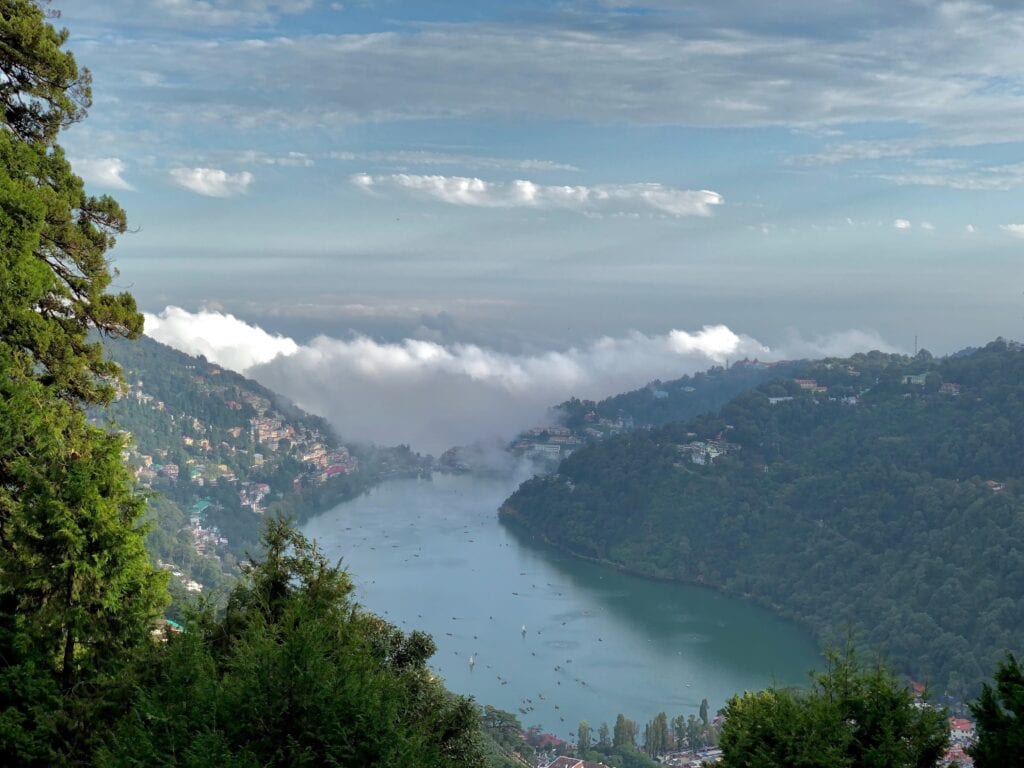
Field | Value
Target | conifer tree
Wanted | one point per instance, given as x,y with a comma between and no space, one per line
999,713
294,674
77,592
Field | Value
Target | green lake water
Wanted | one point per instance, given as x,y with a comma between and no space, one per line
431,555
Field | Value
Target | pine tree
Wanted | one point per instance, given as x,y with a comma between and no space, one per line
77,593
851,717
999,713
294,674
583,738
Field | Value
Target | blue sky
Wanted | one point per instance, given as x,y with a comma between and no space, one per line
529,176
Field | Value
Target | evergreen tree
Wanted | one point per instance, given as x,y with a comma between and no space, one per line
77,593
583,739
295,674
850,718
54,236
657,738
604,740
625,732
999,716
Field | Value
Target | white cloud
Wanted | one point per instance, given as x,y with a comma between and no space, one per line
404,158
720,68
970,229
901,224
102,171
229,12
1017,230
292,159
466,191
927,225
212,182
433,395
221,338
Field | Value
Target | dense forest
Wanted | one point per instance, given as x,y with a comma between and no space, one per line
879,494
663,402
191,440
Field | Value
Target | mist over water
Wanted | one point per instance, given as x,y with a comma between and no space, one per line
432,394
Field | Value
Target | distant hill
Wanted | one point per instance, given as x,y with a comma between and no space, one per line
660,402
879,493
580,422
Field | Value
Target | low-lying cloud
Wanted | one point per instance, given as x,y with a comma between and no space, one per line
432,396
612,198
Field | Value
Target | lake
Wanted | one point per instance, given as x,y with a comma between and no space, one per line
553,638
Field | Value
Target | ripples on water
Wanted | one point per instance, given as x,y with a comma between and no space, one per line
431,555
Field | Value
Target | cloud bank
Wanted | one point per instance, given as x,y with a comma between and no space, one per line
212,182
465,191
432,396
221,338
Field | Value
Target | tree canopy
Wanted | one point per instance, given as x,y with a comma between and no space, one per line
851,717
77,592
294,674
53,236
999,719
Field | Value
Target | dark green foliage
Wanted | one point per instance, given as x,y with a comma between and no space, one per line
53,236
851,717
77,593
661,403
877,516
657,737
504,737
294,674
625,732
999,719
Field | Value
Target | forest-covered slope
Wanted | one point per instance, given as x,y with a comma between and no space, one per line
220,452
662,402
880,494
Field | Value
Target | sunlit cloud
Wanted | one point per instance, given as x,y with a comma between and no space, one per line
474,192
406,158
1017,230
433,395
221,338
901,224
212,182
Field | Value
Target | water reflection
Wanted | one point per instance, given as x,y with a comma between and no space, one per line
552,638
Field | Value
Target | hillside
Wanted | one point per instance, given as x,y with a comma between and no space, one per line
220,452
580,422
879,493
662,402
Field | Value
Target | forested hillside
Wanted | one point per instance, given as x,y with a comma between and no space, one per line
662,402
221,452
879,494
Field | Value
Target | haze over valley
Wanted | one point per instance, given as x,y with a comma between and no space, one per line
434,395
